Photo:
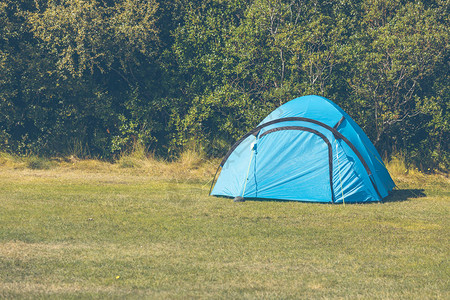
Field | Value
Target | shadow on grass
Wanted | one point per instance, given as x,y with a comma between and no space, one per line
404,195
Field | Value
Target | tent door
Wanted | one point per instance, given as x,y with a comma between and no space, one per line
292,163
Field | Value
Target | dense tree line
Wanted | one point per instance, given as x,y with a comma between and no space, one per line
94,77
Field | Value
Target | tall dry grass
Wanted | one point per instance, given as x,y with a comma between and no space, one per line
192,165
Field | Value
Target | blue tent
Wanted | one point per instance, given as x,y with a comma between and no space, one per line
308,149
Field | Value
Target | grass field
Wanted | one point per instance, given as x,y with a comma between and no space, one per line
85,229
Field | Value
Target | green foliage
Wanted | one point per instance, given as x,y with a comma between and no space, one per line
89,35
94,77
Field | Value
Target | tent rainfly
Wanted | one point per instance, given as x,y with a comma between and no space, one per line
308,149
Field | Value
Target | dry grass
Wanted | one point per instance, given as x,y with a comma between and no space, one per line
412,177
191,166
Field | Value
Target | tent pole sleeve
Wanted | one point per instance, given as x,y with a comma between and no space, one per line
375,186
212,183
339,123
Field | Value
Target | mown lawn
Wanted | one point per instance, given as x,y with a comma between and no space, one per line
94,234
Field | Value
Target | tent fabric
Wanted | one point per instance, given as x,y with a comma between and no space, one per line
310,150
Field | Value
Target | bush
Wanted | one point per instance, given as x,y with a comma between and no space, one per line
38,163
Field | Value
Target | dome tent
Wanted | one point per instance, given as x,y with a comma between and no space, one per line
308,149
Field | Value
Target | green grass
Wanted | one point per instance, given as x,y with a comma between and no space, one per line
111,233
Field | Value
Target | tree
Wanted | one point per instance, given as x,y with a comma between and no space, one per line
103,53
398,55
